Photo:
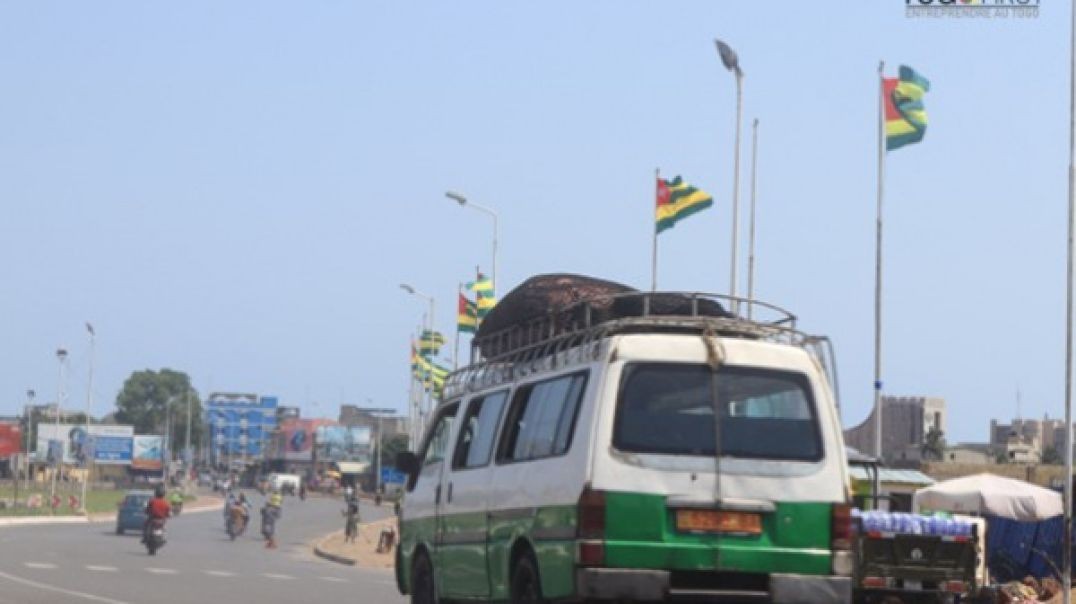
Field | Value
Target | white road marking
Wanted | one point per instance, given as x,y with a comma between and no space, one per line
276,576
161,571
334,579
219,573
44,565
103,569
69,592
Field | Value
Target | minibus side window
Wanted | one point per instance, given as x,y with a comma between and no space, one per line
478,430
437,441
542,419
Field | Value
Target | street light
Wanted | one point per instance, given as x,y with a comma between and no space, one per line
732,63
463,201
61,356
89,404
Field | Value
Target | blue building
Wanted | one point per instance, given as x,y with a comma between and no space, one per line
240,426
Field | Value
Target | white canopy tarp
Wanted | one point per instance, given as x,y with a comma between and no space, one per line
990,495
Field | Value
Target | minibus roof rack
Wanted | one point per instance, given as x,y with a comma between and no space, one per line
572,334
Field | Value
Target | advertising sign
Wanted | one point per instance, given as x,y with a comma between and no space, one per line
148,453
392,476
105,444
10,439
342,443
298,441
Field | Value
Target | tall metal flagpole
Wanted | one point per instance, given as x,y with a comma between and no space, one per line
878,268
654,249
456,344
1066,573
751,237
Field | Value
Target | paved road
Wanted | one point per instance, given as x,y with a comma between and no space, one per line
62,564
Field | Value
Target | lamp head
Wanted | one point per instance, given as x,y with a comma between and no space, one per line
460,199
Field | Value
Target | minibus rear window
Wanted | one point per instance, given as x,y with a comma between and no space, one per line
667,408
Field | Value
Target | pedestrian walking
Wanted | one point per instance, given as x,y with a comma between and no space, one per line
270,514
351,522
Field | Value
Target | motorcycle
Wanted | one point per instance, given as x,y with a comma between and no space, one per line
237,521
155,536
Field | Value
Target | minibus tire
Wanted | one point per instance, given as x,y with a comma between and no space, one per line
423,589
526,584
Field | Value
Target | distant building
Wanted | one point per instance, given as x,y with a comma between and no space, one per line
1028,439
240,426
906,420
972,453
391,425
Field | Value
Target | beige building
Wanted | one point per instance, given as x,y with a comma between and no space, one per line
1028,439
906,420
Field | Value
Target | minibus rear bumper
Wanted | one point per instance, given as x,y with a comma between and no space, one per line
658,585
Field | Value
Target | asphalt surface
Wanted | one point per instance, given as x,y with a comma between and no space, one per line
80,563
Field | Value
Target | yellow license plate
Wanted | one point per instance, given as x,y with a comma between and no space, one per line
715,521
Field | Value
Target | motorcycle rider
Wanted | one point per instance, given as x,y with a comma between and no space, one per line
156,509
239,508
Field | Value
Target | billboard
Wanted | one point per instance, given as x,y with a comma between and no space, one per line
105,444
240,424
10,439
148,453
298,440
342,443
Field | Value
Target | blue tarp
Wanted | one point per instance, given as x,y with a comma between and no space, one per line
1018,549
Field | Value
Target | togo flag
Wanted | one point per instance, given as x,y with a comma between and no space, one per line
905,116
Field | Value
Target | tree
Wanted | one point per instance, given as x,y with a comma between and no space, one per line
390,447
152,401
1052,457
933,446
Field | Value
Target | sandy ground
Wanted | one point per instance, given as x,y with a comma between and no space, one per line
363,550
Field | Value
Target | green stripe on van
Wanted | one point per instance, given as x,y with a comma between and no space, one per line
640,533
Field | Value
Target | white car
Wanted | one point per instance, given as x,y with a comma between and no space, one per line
284,482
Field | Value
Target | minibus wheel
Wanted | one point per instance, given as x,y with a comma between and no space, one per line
526,585
423,590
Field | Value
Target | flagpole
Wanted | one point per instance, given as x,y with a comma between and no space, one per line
1066,574
751,237
654,248
878,268
456,345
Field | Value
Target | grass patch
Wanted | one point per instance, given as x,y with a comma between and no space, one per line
97,501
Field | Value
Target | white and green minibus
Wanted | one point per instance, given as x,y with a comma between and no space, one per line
643,458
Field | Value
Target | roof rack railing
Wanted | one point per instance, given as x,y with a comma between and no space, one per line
573,333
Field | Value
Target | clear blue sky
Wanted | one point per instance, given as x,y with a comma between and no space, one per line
237,189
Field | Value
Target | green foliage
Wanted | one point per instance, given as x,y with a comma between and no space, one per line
149,397
396,444
933,447
1051,456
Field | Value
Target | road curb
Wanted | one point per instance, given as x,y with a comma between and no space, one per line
32,520
95,518
320,552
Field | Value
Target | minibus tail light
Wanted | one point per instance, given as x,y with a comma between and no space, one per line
591,518
842,527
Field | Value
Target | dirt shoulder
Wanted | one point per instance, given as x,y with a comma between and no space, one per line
363,551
